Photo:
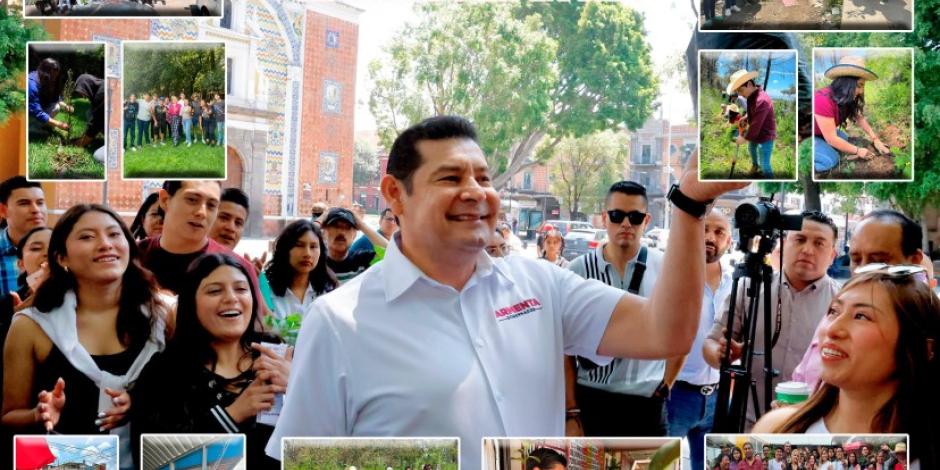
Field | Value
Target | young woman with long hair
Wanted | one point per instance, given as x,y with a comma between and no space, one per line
880,368
44,98
149,219
215,376
297,272
841,102
91,328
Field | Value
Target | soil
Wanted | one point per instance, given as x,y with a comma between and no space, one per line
774,15
66,158
878,167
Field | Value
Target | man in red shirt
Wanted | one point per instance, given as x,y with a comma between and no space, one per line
751,461
191,208
762,125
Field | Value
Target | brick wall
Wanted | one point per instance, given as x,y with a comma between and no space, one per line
122,195
324,131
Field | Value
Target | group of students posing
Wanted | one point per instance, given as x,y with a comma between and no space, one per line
788,457
150,119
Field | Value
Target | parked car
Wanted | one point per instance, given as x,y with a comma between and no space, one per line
579,242
565,226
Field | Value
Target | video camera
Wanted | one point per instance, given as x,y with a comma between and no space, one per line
763,219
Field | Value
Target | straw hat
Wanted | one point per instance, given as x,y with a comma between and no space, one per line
739,78
734,108
851,66
900,447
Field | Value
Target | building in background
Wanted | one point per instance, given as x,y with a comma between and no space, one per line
657,165
291,74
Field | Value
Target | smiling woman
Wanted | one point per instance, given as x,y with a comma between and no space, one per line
214,377
880,369
92,327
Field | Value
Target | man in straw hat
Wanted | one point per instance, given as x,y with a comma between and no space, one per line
762,125
829,117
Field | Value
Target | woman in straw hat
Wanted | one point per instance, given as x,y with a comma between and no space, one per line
762,123
842,101
880,370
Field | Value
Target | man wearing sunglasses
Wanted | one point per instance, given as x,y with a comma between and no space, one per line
627,396
883,237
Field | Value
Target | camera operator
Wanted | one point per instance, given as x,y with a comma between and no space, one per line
798,302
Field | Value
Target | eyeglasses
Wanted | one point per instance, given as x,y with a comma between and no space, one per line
895,271
635,217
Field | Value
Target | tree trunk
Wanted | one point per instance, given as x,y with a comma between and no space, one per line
811,201
767,75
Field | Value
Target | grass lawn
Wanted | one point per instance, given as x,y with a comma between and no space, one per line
718,150
169,162
47,161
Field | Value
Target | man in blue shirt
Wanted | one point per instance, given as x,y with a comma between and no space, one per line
23,205
388,224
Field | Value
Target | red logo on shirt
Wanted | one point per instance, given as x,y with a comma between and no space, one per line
522,308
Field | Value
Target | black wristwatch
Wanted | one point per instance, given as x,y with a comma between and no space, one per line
690,206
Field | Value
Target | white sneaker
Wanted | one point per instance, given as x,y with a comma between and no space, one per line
133,149
163,144
735,8
189,144
727,12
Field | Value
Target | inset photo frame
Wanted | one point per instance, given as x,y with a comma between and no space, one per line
863,114
66,111
173,110
747,115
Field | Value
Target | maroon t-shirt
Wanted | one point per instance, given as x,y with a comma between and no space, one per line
760,117
825,107
170,268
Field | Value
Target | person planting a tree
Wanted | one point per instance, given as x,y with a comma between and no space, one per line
762,125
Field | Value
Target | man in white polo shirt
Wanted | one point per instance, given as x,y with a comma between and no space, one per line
441,340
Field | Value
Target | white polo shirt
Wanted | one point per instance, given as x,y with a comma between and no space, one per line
395,353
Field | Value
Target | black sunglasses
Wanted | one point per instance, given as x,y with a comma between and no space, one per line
616,216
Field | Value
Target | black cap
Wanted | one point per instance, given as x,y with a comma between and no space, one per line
339,214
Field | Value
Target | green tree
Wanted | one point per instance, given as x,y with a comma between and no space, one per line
13,37
583,168
365,163
924,191
166,70
527,76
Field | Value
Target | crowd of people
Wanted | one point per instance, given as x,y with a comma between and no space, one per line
153,120
823,457
422,328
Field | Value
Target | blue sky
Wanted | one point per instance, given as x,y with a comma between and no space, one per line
88,449
783,68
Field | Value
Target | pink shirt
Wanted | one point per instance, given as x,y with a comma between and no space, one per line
825,107
173,109
809,369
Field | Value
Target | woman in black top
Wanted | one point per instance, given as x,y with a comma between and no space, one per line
130,120
91,328
214,377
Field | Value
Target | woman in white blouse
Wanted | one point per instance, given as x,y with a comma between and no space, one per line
297,271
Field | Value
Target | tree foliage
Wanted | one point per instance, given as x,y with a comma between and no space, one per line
583,168
924,191
165,71
13,37
369,455
527,75
365,163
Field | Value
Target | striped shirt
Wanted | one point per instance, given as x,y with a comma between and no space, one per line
9,272
628,376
